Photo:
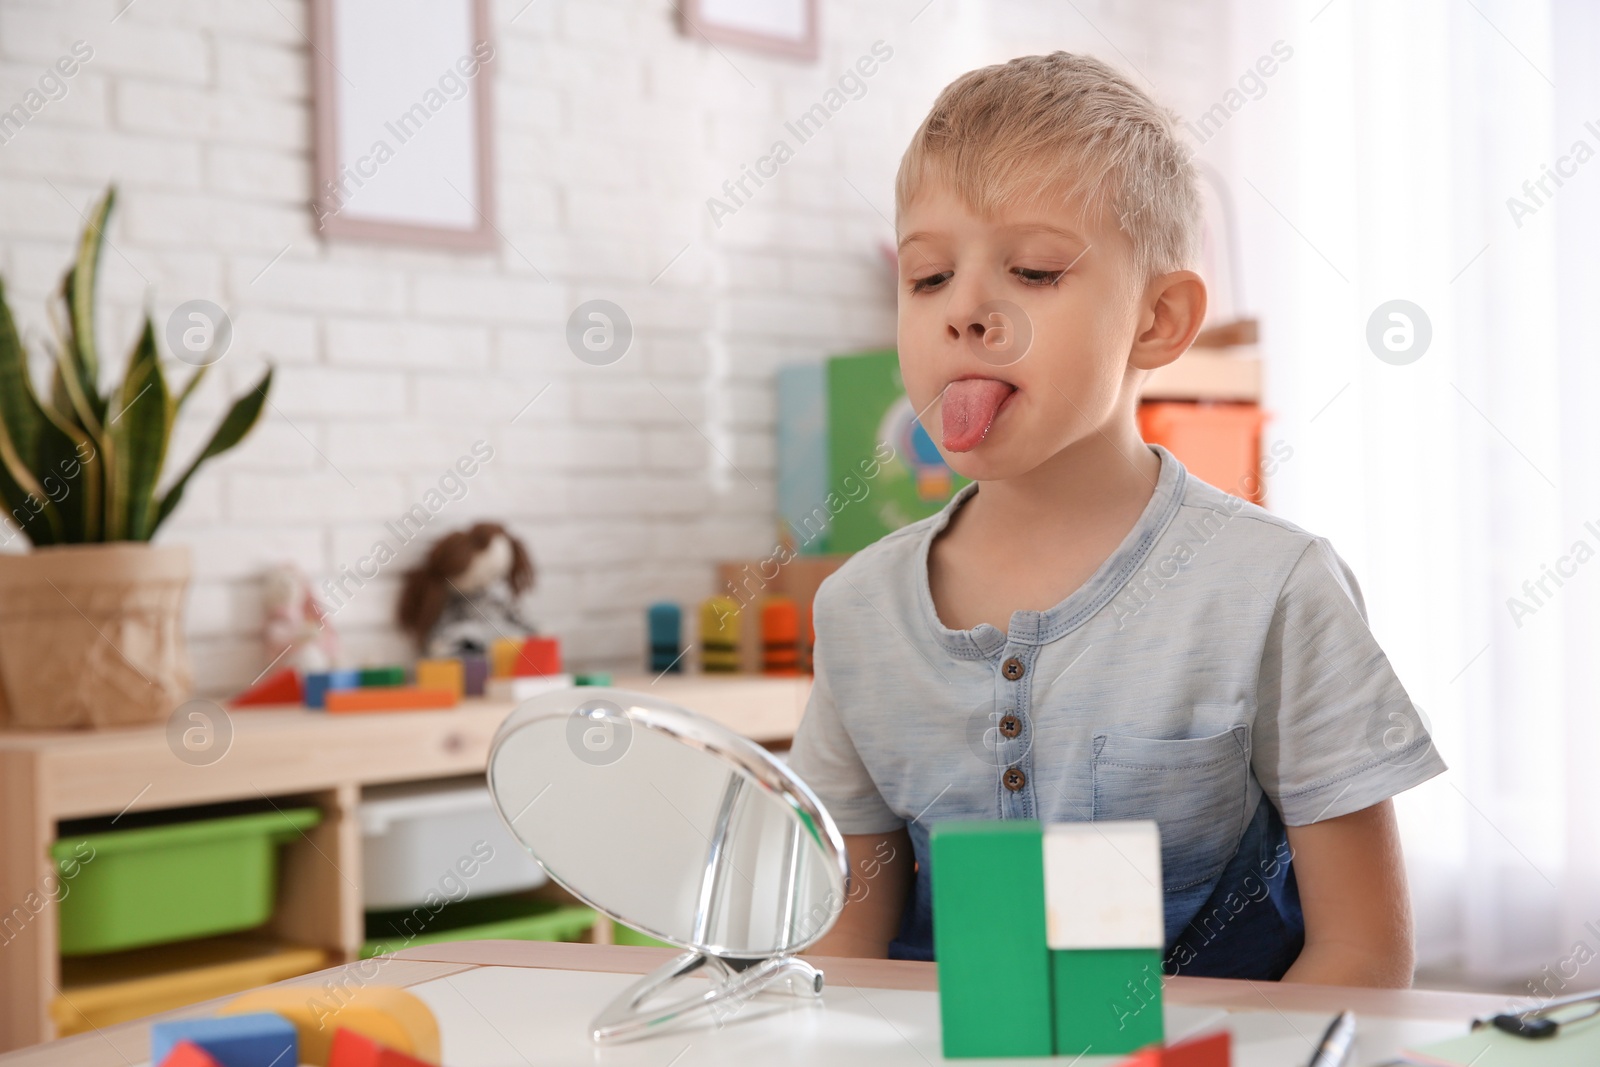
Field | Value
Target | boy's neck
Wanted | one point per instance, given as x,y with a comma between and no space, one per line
1111,468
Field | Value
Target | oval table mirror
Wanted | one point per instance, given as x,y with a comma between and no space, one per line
680,828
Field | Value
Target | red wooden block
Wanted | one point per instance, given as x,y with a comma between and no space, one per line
188,1054
539,656
1145,1057
282,687
351,1049
1208,1050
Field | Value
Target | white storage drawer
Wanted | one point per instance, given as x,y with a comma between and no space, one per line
439,838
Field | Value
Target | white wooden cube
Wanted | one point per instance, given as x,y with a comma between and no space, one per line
1102,885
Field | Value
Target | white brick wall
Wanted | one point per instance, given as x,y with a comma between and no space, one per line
612,130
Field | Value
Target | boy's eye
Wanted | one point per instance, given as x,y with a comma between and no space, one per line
932,281
1038,277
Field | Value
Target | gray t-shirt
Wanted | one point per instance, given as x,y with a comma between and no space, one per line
1219,655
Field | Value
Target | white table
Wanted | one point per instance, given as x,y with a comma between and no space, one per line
515,1004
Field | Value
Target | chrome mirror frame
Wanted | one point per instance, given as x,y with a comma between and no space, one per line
735,976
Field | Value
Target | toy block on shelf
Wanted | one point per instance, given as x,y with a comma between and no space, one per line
389,1016
1105,931
442,674
780,636
516,690
503,655
319,684
279,687
391,698
539,657
475,669
989,938
719,635
188,1054
254,1039
664,622
375,676
351,1049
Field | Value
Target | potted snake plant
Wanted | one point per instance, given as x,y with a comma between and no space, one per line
91,617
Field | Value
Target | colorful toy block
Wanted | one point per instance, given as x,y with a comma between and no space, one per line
390,698
664,622
540,657
780,636
989,938
476,670
351,1049
442,674
188,1054
319,684
371,676
1105,934
592,678
516,690
719,635
253,1039
1207,1050
279,687
391,1017
503,657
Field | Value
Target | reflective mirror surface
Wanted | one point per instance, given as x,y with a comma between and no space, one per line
669,822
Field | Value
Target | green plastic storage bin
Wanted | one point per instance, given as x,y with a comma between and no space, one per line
156,884
507,918
627,935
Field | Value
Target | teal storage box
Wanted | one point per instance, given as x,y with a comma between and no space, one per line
153,884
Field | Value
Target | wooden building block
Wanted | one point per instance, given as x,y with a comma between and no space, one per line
719,635
503,657
279,687
1207,1050
383,676
1102,885
539,657
392,1017
1107,1000
989,938
780,636
442,674
253,1039
476,671
351,1049
391,698
188,1054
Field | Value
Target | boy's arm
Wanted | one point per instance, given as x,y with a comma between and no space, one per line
1352,881
880,878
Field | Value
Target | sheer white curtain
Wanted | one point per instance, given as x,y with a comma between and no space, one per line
1377,165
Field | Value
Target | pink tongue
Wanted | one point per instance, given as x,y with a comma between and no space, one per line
969,408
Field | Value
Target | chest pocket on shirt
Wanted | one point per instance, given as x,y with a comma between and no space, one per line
1194,788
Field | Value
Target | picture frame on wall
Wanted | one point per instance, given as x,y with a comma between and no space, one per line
782,27
402,110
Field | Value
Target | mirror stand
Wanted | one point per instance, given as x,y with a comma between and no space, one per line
733,981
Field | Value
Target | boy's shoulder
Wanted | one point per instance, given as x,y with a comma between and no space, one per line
888,563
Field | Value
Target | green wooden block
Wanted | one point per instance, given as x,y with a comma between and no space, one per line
383,676
989,938
1107,1000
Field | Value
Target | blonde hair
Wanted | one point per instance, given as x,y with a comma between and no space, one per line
1042,128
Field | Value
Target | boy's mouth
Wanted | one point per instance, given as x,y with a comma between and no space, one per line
969,409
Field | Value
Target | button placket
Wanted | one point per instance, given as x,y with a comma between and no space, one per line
1012,697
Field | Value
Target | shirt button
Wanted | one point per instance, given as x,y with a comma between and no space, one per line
1013,669
1014,779
1010,726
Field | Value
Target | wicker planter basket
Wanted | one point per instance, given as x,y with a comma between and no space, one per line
92,635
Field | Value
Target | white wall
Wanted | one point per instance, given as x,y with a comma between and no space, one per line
612,131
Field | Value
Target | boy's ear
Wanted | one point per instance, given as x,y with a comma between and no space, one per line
1172,312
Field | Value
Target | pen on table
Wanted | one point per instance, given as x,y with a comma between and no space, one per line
1334,1047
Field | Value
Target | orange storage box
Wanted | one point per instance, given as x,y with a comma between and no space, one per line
1219,443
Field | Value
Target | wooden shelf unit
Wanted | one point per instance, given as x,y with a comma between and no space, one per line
288,755
1230,374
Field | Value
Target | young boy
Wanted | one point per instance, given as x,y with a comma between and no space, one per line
1088,632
